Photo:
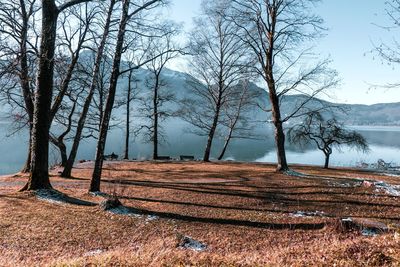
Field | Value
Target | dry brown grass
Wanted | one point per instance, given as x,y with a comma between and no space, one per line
241,211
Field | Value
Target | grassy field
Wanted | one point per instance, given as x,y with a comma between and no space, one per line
246,215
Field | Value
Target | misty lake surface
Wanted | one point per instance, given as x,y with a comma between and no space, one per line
384,144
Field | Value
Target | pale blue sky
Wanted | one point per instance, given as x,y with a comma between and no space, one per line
348,42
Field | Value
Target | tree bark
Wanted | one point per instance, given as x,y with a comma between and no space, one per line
211,134
227,140
326,165
24,80
128,110
82,119
58,142
280,148
155,118
279,133
27,165
39,178
98,165
273,96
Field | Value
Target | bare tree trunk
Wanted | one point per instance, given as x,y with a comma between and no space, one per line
24,78
327,158
59,141
81,123
279,133
27,165
280,146
276,118
98,165
227,140
211,134
326,165
155,118
61,147
39,178
128,110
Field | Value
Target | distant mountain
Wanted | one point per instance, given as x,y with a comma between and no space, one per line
176,82
377,114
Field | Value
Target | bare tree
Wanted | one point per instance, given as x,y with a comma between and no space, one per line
18,46
65,118
39,178
126,16
238,114
389,51
131,94
162,50
218,63
92,88
325,134
277,32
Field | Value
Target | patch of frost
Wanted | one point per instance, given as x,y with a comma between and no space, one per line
344,184
308,214
294,173
93,252
99,194
121,210
50,196
151,218
388,188
391,174
190,243
369,232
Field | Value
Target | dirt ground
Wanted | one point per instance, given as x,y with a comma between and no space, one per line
245,214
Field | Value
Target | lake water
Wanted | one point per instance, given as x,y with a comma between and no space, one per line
384,144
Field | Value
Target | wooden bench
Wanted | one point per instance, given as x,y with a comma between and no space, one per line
112,156
186,158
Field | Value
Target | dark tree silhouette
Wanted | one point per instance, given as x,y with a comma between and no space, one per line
126,17
39,177
325,134
94,82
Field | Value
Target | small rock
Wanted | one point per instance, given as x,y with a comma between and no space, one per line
110,204
367,227
187,242
367,184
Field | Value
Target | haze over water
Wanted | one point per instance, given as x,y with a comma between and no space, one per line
384,144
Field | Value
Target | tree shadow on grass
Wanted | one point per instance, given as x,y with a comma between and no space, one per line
274,196
232,222
57,197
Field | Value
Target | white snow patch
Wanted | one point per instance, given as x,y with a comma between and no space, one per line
343,184
50,196
93,252
189,243
151,218
369,232
294,173
121,210
391,174
388,188
308,214
98,194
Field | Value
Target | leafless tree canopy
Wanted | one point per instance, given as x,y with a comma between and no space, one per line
280,35
325,134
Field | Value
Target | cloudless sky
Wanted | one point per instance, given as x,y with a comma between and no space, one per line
352,31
